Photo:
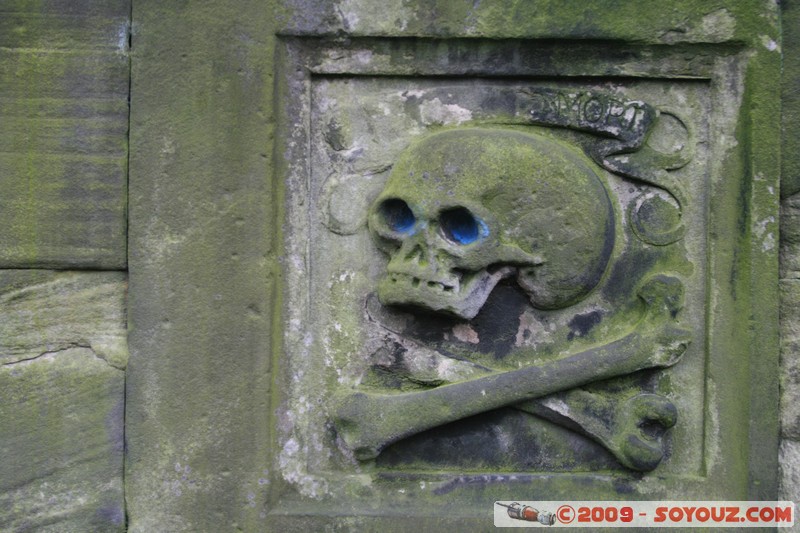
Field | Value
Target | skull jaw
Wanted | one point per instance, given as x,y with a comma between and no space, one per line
464,300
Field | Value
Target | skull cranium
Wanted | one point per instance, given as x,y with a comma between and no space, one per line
462,209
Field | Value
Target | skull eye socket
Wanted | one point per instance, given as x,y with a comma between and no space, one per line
460,226
397,215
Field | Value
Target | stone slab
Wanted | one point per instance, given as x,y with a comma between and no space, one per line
63,134
790,97
55,24
62,393
69,8
202,266
790,358
352,108
790,237
790,253
675,21
790,471
45,311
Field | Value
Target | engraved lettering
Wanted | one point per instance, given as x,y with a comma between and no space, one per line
593,109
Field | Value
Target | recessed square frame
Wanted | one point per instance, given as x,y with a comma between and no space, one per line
737,345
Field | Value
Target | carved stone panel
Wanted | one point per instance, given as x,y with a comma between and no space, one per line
499,285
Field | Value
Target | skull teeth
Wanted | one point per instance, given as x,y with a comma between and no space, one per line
416,282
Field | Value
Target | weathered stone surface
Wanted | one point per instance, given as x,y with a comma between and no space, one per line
204,453
790,358
674,22
62,393
63,134
790,317
790,253
790,238
44,311
790,97
204,251
790,471
202,266
64,24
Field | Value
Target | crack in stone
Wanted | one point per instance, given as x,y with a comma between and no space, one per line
53,353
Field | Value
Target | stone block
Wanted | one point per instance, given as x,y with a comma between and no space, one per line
790,237
790,97
45,311
64,74
64,25
790,471
202,266
790,359
61,434
62,393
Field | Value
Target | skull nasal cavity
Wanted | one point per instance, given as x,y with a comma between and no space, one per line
397,215
460,226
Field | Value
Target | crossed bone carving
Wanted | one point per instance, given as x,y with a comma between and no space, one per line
368,422
468,208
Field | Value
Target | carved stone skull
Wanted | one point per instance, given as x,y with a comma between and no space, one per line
465,208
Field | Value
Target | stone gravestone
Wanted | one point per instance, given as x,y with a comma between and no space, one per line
382,263
523,270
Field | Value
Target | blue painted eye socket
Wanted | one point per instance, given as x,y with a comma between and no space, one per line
461,227
397,215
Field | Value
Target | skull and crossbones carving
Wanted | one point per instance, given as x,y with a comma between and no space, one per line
464,209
